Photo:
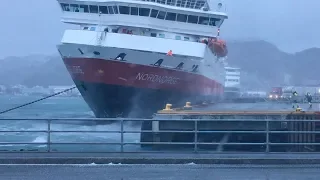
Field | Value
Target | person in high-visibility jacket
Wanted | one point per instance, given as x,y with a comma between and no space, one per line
295,99
309,99
169,53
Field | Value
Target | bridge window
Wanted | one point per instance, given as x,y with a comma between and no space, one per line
93,8
153,34
186,38
84,8
134,11
203,20
124,10
65,7
192,19
161,15
115,9
74,7
154,13
110,8
182,18
171,16
178,37
144,12
85,28
103,9
213,21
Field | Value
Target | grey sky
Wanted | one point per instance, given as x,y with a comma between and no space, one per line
34,26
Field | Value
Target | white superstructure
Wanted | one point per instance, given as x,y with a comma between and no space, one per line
145,31
232,81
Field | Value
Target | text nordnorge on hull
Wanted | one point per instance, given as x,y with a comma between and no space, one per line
157,78
140,76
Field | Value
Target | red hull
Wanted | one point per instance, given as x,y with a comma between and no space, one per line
113,88
140,76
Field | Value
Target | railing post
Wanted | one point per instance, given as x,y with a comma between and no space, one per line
195,135
121,135
49,135
267,135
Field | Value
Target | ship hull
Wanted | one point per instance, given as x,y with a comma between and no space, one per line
113,88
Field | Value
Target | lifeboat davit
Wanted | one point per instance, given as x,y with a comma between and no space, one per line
218,47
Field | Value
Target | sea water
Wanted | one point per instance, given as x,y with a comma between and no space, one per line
56,107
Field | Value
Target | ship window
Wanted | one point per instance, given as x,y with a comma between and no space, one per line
161,1
213,21
182,18
84,8
153,34
103,9
85,28
154,13
178,37
93,8
161,35
65,7
179,3
171,16
192,19
192,3
110,10
186,38
92,28
124,10
199,4
134,11
115,8
74,7
144,11
161,15
203,20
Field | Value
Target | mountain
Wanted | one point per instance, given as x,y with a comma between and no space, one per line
53,72
262,65
34,70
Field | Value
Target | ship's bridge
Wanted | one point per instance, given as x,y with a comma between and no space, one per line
178,16
193,4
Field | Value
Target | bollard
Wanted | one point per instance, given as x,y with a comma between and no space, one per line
168,107
298,109
187,106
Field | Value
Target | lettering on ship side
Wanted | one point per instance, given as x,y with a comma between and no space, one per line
75,69
157,78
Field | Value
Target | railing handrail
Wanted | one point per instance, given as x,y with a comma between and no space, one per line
162,119
265,127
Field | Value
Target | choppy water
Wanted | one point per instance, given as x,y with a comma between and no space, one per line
57,107
75,107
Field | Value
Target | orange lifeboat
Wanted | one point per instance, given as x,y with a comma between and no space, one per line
218,47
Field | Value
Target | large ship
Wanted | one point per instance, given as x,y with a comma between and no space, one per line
130,58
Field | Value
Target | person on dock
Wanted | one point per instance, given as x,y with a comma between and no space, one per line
309,99
295,99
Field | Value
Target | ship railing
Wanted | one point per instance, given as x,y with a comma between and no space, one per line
110,135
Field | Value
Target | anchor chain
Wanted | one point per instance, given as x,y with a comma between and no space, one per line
26,104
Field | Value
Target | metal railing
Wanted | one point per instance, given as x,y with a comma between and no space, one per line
174,135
